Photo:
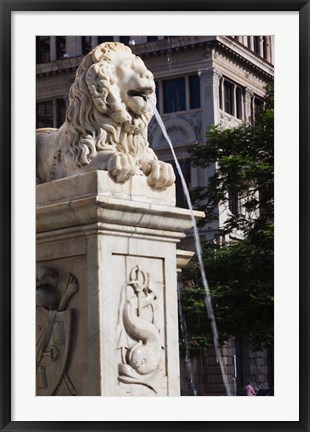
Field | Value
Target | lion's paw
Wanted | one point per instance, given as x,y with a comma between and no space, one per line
121,167
160,174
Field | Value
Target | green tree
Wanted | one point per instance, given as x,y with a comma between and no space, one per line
240,273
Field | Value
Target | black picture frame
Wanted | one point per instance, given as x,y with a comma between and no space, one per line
7,7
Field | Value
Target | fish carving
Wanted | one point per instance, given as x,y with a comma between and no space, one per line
142,359
144,356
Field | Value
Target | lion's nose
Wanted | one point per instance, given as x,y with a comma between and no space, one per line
144,72
147,75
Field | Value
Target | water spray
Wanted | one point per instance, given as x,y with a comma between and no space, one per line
198,251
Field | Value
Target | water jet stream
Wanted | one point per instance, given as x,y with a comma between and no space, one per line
183,328
198,251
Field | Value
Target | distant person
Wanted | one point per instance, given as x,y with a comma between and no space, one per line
249,390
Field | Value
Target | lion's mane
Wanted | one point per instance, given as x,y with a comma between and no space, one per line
96,118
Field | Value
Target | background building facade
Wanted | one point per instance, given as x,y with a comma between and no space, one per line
200,80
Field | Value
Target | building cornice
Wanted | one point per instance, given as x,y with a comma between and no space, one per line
58,66
236,50
225,45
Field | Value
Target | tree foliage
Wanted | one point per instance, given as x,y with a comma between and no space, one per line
240,273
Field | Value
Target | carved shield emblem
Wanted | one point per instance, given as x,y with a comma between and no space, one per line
54,356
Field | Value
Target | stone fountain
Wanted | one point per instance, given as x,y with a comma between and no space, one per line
107,235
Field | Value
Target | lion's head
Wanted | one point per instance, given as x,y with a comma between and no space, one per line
107,103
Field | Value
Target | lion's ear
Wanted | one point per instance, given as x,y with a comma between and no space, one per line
98,53
101,50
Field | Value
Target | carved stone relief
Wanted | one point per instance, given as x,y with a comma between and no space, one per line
179,130
228,121
194,119
138,335
53,332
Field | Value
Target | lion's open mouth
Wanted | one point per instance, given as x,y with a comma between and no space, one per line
141,92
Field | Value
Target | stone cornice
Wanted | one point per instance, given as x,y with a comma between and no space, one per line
58,66
116,215
225,45
238,52
93,201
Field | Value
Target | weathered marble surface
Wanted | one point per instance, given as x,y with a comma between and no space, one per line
100,184
106,122
122,250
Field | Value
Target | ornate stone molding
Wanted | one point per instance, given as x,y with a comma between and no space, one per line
179,130
210,76
229,121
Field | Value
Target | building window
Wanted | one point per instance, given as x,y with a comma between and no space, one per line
102,39
265,47
239,103
157,95
44,114
194,91
86,44
151,38
60,47
234,203
60,112
258,107
186,170
174,95
256,44
124,39
51,113
43,49
228,97
232,97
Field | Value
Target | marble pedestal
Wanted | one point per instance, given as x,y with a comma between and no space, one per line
108,252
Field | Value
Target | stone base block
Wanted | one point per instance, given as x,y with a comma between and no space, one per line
107,319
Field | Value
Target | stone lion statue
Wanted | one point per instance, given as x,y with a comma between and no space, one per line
106,122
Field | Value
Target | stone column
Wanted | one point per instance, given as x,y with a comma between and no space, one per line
251,45
222,95
187,93
242,105
210,82
253,108
161,97
248,104
106,262
268,48
54,113
234,101
53,48
74,46
94,41
261,46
